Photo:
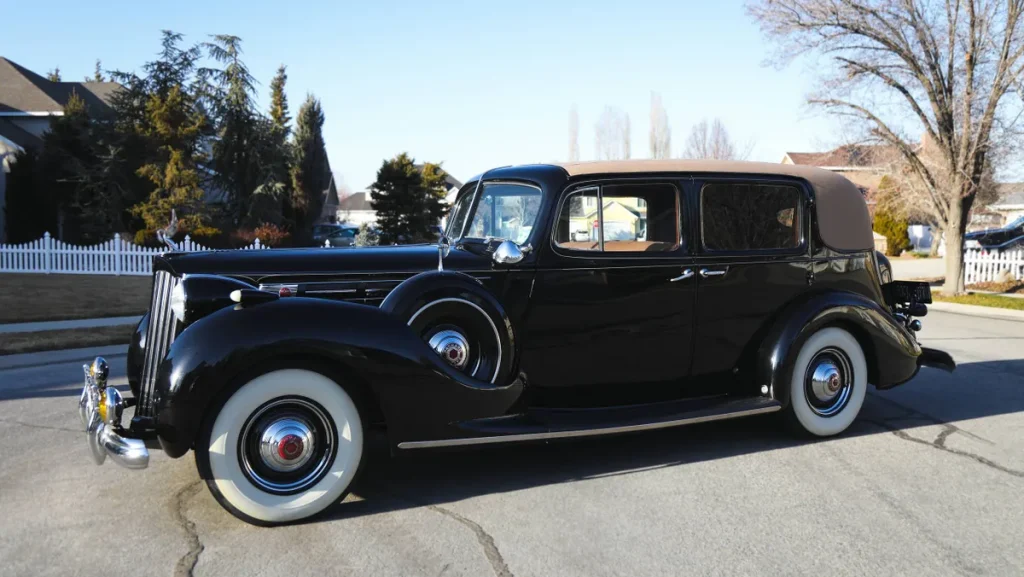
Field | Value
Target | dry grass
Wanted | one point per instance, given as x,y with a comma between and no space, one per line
54,297
1013,286
13,343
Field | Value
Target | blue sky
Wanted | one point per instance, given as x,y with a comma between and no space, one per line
472,84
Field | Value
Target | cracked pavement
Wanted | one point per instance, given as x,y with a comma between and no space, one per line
929,481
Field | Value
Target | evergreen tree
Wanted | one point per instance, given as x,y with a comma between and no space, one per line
97,75
65,154
279,101
30,210
408,200
175,122
310,173
54,75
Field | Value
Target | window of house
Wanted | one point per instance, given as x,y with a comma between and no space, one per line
750,217
620,218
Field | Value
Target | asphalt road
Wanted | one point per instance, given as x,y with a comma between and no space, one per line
929,481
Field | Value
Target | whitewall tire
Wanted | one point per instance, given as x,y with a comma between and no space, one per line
283,447
829,383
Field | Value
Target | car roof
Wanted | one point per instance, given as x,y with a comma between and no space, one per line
843,219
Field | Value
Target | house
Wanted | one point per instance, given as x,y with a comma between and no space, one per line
357,208
1010,205
27,102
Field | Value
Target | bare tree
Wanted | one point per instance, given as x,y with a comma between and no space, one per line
943,66
661,134
713,141
574,134
612,135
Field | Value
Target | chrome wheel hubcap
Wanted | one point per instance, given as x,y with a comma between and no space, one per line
452,346
828,382
287,445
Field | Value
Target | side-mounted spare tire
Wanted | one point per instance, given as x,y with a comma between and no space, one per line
460,320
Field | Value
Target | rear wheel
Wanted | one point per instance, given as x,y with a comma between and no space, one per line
283,447
829,383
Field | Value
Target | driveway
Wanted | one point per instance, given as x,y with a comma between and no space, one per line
929,481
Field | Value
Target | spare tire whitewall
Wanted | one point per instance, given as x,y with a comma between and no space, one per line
285,446
829,382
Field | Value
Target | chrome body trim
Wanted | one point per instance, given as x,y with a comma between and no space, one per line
582,432
103,437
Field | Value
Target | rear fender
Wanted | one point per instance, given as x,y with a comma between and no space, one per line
892,352
417,392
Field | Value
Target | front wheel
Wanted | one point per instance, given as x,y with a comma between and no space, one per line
283,447
829,383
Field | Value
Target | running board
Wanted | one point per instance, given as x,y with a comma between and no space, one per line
543,425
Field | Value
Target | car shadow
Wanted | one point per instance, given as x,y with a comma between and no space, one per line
435,477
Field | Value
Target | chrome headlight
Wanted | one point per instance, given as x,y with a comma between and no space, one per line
178,302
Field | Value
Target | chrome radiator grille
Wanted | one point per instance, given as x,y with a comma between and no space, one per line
159,336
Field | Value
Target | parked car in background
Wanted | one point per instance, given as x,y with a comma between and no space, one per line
1009,236
322,232
724,289
344,236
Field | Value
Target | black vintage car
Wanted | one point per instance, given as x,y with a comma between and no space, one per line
574,300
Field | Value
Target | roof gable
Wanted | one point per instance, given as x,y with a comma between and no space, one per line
25,92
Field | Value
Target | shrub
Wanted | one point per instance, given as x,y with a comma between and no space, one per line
894,229
269,235
367,236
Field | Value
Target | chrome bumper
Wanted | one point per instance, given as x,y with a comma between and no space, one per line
101,407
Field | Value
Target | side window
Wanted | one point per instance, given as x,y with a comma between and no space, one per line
750,217
621,218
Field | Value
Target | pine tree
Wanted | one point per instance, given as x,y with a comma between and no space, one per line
97,75
408,200
175,122
54,75
310,174
279,100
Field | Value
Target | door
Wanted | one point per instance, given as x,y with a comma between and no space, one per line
752,260
610,320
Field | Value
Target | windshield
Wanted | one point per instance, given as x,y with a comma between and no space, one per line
505,211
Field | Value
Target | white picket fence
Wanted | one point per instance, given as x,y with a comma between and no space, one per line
116,256
984,266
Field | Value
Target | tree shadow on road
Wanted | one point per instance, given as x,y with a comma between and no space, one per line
434,477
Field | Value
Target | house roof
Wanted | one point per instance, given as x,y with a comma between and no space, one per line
1011,194
355,201
850,155
23,139
25,92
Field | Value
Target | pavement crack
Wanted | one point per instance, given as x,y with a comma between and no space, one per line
486,541
940,444
178,505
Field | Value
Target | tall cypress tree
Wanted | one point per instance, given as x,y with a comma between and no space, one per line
279,100
310,173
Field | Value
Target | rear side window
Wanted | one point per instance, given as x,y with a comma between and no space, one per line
620,218
750,217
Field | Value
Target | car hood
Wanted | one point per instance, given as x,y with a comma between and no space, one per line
256,264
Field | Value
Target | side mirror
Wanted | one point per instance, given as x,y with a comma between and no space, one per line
509,252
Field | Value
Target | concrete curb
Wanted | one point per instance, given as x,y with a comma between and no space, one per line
63,356
64,325
977,311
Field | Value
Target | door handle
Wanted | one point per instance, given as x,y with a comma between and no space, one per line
687,273
705,272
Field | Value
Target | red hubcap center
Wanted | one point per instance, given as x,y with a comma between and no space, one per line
290,447
453,354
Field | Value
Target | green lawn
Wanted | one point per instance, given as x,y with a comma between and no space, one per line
13,343
53,297
983,300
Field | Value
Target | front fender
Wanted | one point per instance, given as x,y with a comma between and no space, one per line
418,394
892,352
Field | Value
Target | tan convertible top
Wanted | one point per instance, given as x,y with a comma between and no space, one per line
843,219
